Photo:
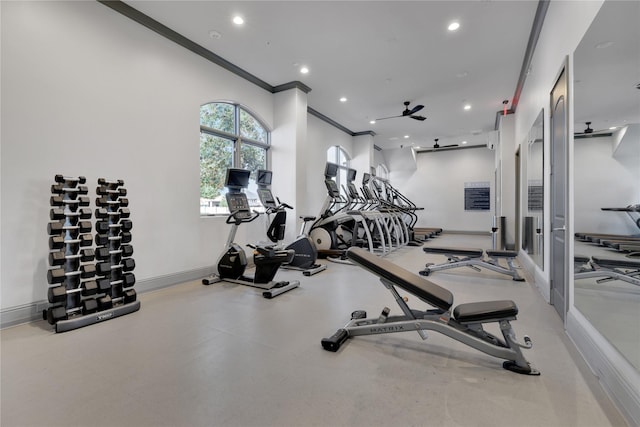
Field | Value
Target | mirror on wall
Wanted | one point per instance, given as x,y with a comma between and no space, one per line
532,237
606,153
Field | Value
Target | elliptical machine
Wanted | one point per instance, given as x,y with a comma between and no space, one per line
305,251
233,262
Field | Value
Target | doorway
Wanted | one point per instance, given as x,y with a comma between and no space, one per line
558,181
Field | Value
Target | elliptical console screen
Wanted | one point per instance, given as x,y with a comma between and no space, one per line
330,170
237,178
264,177
332,188
238,202
266,198
351,175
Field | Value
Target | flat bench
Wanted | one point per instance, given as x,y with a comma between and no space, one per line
607,269
465,324
473,258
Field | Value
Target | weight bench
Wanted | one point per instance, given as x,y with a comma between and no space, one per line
473,258
464,325
607,269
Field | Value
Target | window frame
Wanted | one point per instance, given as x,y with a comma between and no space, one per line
238,141
342,169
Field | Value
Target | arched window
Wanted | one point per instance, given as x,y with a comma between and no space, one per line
339,156
230,136
382,171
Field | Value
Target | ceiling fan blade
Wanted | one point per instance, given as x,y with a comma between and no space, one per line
420,118
415,109
385,118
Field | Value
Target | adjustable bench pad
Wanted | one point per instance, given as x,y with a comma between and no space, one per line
425,290
473,253
486,310
502,254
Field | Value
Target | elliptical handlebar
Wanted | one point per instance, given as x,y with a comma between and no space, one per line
247,216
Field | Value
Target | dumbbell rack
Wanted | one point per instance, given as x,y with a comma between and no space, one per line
113,253
76,298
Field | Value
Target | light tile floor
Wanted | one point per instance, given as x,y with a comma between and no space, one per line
222,355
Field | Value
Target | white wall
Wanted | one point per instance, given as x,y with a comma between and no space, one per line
602,180
86,91
437,185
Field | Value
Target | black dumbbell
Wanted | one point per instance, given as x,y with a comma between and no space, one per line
103,239
102,181
59,258
127,281
57,213
58,275
107,190
106,302
102,227
58,242
126,225
55,314
124,213
57,294
104,285
127,264
104,253
61,189
70,179
60,201
59,227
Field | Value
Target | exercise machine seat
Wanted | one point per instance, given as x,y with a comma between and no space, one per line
487,310
473,253
501,254
425,290
616,263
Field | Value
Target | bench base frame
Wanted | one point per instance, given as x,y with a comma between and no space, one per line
471,334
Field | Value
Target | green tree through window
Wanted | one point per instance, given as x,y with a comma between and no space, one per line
225,130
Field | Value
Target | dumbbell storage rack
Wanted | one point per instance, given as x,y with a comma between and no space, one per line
80,291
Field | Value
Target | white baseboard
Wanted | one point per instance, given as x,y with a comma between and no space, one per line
31,312
616,375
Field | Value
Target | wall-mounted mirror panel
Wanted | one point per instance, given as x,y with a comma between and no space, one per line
607,176
533,227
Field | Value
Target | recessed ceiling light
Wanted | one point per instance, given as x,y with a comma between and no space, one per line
343,99
467,106
464,142
406,136
238,20
613,128
453,26
304,70
373,122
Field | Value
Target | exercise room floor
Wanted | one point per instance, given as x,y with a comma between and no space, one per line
222,355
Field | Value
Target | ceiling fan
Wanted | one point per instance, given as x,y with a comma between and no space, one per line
437,146
591,133
408,112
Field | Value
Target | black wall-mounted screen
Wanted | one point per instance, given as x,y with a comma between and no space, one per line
237,178
351,175
264,177
330,170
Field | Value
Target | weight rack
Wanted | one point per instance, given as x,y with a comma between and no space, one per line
81,291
